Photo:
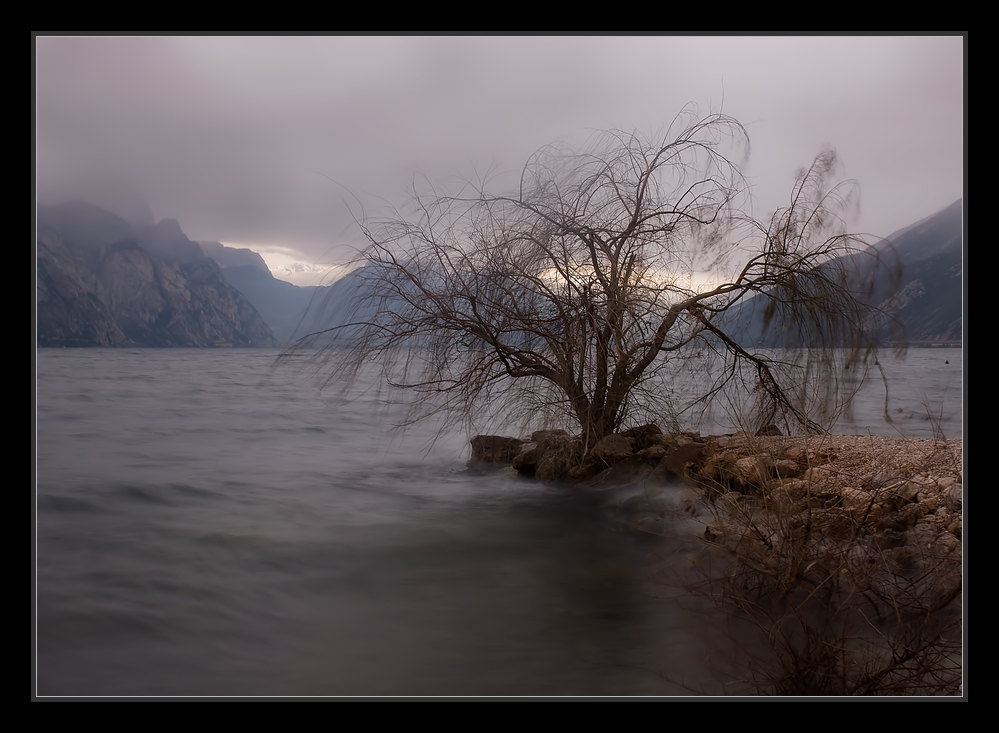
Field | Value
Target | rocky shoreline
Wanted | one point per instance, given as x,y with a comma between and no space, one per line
843,552
904,494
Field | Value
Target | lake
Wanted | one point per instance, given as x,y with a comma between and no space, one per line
210,525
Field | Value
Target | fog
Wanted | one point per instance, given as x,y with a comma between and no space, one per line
263,141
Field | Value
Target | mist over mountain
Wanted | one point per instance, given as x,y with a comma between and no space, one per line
281,304
291,311
918,287
232,257
103,282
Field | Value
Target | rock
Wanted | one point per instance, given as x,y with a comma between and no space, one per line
784,497
884,479
906,518
856,502
643,437
946,482
583,472
680,459
953,500
526,458
752,470
715,531
612,448
654,453
948,543
558,453
901,558
758,502
890,538
816,475
686,500
786,468
910,514
493,451
908,492
929,504
922,535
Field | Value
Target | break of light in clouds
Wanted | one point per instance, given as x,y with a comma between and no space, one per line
291,265
267,139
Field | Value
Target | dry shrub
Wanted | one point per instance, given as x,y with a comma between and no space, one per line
820,601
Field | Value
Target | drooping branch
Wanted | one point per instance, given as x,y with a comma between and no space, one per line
564,298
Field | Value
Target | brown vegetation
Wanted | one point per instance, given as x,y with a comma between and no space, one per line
847,571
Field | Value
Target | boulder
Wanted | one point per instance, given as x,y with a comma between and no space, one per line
644,436
856,502
493,451
558,453
954,498
526,459
612,448
752,470
677,461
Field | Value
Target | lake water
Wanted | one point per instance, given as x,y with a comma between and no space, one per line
207,525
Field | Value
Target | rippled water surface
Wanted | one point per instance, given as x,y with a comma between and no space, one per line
207,525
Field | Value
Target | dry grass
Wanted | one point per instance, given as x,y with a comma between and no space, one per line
842,581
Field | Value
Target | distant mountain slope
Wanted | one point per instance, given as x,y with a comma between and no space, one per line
928,304
350,300
229,257
101,283
280,303
292,311
924,304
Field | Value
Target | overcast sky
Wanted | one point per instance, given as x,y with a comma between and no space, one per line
238,137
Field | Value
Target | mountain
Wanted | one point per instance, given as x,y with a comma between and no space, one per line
102,282
281,304
230,257
928,305
923,304
291,311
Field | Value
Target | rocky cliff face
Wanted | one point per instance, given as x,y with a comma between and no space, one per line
101,283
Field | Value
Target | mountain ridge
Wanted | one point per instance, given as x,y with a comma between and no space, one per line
917,287
93,266
100,282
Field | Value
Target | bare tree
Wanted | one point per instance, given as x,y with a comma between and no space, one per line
569,297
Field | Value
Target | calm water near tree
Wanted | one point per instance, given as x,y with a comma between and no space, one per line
208,525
